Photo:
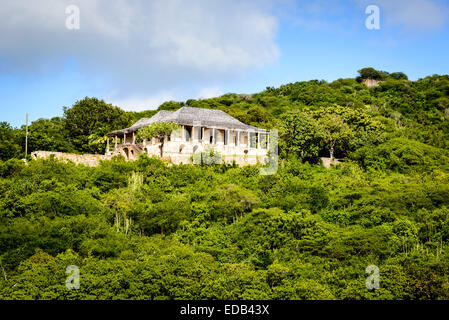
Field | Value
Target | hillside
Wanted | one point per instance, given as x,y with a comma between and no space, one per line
148,230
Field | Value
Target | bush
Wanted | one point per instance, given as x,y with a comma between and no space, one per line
402,155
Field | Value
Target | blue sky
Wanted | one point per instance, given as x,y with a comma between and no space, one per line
137,54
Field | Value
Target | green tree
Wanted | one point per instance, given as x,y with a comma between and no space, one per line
171,105
371,73
91,118
398,76
336,131
301,135
48,135
9,143
157,130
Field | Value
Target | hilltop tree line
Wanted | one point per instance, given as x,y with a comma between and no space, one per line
147,230
315,118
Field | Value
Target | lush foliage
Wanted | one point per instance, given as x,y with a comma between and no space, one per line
156,130
89,120
149,230
9,138
301,135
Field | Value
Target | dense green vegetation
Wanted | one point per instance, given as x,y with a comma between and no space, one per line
149,230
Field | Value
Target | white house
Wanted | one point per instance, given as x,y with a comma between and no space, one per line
206,135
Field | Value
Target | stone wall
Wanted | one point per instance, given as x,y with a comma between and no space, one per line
86,159
371,83
256,156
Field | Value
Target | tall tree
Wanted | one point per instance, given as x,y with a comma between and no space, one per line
301,135
90,119
336,131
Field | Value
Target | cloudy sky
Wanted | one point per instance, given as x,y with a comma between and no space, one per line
139,53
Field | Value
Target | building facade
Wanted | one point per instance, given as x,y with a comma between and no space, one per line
205,135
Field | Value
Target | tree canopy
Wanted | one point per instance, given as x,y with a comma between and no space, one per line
91,118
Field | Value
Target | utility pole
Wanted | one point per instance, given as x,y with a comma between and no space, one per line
26,138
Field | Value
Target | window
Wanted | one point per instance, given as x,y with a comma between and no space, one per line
213,136
188,133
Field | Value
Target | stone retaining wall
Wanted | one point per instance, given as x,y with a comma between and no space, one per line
86,159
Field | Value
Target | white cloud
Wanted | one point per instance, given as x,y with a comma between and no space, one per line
139,47
221,35
141,103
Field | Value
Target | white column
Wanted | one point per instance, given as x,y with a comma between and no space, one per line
258,140
116,138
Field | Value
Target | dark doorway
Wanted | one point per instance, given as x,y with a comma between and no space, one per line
188,133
